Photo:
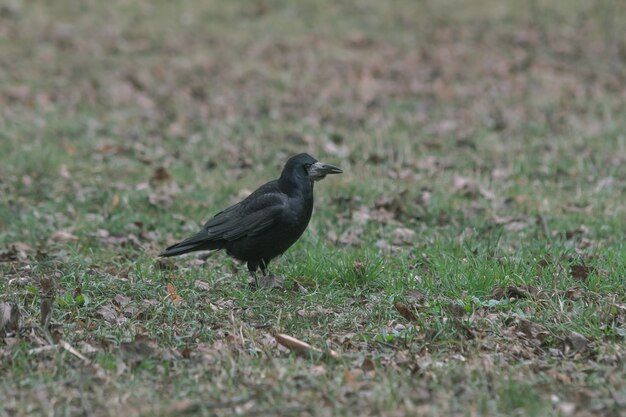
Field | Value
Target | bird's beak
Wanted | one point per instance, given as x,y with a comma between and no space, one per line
318,171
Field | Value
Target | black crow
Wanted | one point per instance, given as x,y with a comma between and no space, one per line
267,222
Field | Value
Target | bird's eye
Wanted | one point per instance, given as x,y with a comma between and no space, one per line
307,166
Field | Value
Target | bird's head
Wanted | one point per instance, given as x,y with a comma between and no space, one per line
305,165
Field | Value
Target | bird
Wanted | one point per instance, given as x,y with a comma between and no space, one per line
267,222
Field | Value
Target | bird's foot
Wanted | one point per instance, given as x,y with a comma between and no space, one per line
268,282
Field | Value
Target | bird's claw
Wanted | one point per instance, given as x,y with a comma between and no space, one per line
267,282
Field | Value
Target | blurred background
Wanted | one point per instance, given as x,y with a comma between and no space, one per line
115,108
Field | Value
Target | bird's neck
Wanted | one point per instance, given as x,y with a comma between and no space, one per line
296,187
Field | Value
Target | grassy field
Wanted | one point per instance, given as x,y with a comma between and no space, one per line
471,260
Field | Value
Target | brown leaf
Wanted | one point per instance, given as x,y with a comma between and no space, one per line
9,318
340,151
368,365
48,289
558,376
202,285
161,175
577,341
581,272
69,148
359,268
121,300
63,236
403,236
465,186
532,330
161,200
392,204
349,377
44,311
351,237
516,225
108,313
316,312
573,294
173,295
137,350
405,311
115,201
271,281
415,296
301,347
16,252
186,352
513,291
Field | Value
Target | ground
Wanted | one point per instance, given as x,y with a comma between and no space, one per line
470,261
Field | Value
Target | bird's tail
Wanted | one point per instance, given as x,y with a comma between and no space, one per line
197,242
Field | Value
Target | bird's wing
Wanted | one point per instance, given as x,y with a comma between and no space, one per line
250,217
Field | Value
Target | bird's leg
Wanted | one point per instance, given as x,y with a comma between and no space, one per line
252,267
263,266
268,280
256,280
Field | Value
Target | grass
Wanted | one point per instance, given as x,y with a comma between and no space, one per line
469,261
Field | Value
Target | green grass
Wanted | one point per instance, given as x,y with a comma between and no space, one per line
491,130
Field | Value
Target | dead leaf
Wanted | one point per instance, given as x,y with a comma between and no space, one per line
69,148
161,200
512,224
297,287
367,365
137,350
63,236
405,311
115,201
394,205
359,268
108,313
202,285
580,231
351,237
301,347
559,376
349,377
48,290
531,330
424,198
271,281
464,186
574,294
403,236
72,350
186,352
340,151
160,175
64,172
359,40
45,309
514,291
9,318
121,300
577,341
581,272
16,252
415,296
316,312
173,295
27,181
516,226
